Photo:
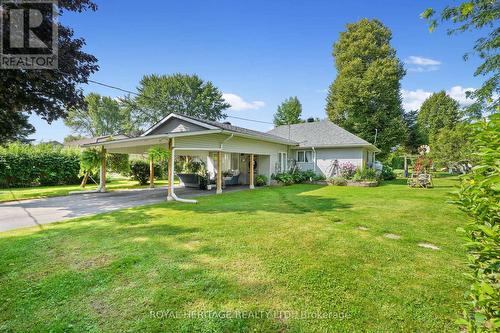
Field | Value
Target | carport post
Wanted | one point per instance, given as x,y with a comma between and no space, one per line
151,173
219,173
252,171
171,166
102,173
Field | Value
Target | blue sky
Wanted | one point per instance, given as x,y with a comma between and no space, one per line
260,52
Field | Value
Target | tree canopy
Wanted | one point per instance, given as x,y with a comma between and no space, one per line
160,95
439,111
478,15
288,112
365,96
101,115
46,92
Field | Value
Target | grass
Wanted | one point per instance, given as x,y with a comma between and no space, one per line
37,192
248,254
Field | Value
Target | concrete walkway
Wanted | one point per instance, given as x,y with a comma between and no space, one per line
28,213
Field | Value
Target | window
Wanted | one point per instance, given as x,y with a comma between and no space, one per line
282,162
304,156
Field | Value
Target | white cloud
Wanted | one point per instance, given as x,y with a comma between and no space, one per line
237,103
413,99
421,64
421,61
459,93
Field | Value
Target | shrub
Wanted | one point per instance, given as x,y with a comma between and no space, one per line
387,173
42,164
368,174
139,170
284,178
260,180
479,197
337,181
118,163
347,170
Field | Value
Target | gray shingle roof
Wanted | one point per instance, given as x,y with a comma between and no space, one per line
242,130
318,134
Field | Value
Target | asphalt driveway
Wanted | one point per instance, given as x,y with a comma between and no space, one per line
28,213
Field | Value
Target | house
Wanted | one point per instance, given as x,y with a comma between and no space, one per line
321,145
241,151
86,141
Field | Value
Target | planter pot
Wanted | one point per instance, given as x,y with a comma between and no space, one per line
189,179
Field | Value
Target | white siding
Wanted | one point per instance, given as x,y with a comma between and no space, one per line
326,156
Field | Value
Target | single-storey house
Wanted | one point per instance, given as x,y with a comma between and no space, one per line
244,152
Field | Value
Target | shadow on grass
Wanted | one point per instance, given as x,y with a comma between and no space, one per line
116,270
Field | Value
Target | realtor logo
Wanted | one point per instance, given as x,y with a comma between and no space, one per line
29,34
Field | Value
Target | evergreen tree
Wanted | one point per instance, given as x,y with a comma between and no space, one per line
365,95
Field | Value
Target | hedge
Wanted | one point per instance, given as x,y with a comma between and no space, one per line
43,164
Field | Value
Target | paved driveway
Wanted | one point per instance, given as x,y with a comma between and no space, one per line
27,213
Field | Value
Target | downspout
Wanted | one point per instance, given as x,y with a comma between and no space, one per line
174,196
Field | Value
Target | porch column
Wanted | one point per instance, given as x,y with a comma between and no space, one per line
219,173
151,173
170,170
251,172
102,172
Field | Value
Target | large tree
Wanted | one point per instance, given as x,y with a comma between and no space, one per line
288,112
365,96
160,95
482,16
101,115
415,137
439,111
46,92
14,126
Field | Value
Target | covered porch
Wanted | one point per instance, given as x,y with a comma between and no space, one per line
237,169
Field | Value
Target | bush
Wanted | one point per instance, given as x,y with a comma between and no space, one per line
260,180
118,163
337,181
479,197
139,170
284,178
365,174
347,170
43,164
387,173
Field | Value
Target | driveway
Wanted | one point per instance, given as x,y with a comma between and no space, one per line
28,213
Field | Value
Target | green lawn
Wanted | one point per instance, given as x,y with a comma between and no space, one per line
248,255
22,193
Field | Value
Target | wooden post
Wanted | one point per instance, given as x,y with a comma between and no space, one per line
102,174
171,165
406,168
219,173
85,179
151,173
252,172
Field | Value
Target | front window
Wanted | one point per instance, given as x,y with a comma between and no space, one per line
304,156
282,162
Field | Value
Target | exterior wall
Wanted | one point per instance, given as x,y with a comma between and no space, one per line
324,157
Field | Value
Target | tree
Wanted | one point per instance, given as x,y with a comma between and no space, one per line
73,137
365,96
451,147
46,92
439,111
101,115
14,126
288,112
477,15
160,95
415,138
